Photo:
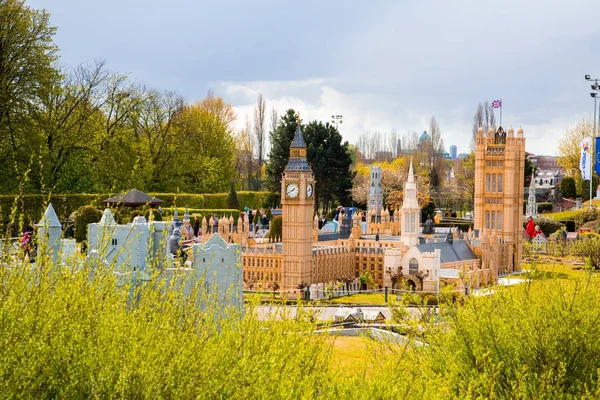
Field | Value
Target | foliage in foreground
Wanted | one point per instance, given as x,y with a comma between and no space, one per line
62,335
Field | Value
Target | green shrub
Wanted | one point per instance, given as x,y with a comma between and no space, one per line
156,215
271,200
85,215
232,199
275,230
544,207
584,215
85,339
135,213
568,188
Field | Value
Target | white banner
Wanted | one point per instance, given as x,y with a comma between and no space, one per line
585,163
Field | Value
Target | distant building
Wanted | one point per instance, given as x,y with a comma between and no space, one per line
424,138
453,152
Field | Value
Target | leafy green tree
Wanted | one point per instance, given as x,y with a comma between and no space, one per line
206,164
281,138
27,71
585,187
232,198
331,161
276,229
329,158
568,187
159,144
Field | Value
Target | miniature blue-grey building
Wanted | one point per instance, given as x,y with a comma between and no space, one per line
50,241
131,249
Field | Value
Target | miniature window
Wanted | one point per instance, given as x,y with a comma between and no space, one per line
499,223
413,266
493,182
500,183
487,182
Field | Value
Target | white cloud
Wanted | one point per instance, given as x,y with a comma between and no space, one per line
371,112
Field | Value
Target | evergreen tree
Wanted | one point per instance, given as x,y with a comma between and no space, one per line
331,161
329,158
585,187
568,187
232,199
281,138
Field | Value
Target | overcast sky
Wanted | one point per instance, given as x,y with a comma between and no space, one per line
382,65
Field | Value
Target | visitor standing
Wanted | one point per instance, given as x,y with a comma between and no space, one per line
530,228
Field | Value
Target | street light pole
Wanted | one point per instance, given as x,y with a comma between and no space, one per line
596,88
594,95
337,120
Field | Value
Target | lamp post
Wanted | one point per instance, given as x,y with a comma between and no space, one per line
337,120
595,90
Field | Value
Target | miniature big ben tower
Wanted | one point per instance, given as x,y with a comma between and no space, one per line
297,202
499,189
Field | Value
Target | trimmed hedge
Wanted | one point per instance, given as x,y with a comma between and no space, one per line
32,206
201,212
463,226
85,215
544,207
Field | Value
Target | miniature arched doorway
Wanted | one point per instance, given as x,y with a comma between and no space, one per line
411,285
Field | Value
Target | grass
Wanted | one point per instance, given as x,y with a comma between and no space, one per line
561,216
554,271
349,353
377,299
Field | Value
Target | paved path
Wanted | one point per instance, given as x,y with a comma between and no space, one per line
319,313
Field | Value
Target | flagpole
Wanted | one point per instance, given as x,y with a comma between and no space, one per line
592,150
500,112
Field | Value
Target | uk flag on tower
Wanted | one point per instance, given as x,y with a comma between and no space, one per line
497,104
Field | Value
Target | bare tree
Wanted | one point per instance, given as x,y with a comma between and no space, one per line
484,117
218,107
435,153
244,159
259,132
395,275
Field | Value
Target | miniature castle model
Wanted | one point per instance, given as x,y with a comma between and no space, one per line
305,261
499,182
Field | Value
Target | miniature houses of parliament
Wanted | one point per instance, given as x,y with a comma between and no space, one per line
306,258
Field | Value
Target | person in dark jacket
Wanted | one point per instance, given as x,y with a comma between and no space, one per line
176,245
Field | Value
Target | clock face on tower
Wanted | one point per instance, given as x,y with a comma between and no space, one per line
309,190
292,190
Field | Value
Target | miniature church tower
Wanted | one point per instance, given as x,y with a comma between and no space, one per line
410,212
531,206
375,201
499,182
297,202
